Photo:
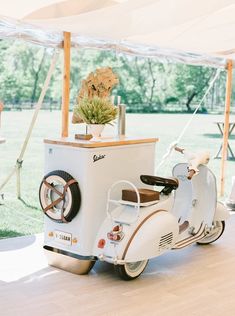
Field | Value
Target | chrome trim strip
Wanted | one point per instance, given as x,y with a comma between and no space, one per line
192,239
69,254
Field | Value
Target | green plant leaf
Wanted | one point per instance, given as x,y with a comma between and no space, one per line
96,110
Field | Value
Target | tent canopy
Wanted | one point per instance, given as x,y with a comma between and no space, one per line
194,31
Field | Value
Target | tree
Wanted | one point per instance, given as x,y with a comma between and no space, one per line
192,82
144,84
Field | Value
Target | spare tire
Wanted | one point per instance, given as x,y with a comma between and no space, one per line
60,196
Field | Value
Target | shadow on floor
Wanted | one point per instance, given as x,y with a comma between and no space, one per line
16,243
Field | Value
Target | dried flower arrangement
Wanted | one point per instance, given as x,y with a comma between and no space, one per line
98,84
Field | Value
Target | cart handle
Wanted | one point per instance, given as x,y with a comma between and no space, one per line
181,150
109,201
191,172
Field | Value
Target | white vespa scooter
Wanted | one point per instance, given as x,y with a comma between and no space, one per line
145,223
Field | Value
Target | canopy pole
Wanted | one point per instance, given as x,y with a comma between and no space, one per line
226,123
66,85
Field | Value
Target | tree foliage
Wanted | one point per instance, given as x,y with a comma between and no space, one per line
145,84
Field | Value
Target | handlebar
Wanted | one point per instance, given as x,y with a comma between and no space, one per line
181,150
191,172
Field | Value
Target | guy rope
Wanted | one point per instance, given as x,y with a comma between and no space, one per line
177,141
19,161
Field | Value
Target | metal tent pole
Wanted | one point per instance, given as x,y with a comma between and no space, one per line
66,85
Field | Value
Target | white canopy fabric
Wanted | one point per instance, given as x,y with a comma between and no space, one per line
181,28
20,9
191,31
199,26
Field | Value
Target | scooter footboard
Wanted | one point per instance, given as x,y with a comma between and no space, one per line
154,235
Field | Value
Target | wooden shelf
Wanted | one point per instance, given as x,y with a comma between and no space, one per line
105,141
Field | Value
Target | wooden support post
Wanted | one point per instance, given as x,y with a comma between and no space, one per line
226,123
66,85
18,186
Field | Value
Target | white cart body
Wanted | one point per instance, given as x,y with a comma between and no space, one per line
95,167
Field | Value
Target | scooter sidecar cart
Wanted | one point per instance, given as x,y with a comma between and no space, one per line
73,193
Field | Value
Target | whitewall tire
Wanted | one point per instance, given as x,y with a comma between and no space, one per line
131,270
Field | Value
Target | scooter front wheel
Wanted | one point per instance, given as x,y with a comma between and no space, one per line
130,270
215,232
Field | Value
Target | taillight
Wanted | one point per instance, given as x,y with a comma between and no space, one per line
117,228
101,243
116,234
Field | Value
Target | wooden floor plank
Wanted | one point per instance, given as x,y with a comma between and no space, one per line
195,281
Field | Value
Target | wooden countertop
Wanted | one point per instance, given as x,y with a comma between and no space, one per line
105,141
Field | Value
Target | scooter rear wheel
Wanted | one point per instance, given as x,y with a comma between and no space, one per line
214,234
131,270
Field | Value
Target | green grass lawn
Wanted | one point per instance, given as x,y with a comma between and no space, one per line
23,217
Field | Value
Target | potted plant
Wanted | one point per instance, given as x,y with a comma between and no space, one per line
98,83
96,112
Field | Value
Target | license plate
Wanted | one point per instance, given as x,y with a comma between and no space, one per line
63,238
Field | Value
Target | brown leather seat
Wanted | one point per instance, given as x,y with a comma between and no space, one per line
145,195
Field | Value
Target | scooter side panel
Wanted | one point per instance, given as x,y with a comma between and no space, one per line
155,234
112,251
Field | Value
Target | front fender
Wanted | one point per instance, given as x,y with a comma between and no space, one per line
221,212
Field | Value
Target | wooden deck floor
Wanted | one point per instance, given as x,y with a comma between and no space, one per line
198,280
